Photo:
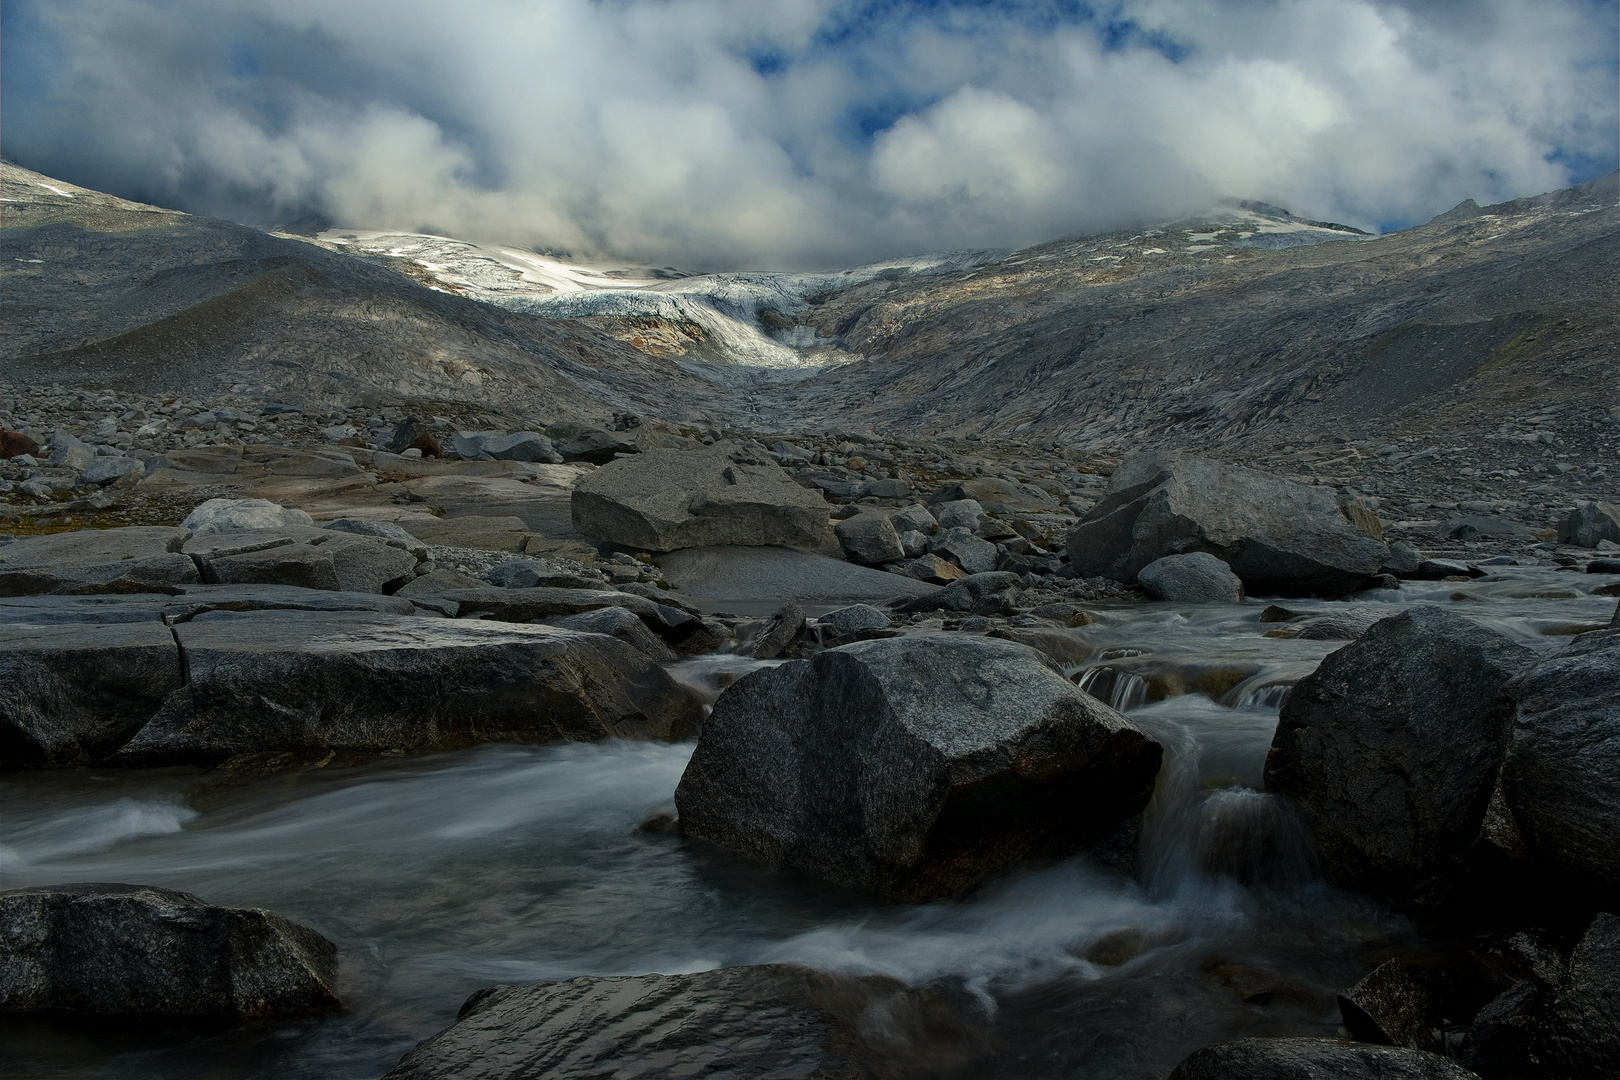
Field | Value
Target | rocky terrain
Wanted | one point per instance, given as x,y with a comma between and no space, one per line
995,593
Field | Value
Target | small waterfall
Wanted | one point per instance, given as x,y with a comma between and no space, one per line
1266,697
1122,690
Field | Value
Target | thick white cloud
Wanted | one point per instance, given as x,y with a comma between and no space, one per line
729,133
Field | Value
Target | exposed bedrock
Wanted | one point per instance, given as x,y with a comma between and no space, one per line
912,767
1391,748
1278,537
109,950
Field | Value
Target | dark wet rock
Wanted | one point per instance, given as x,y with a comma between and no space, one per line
1477,526
262,681
1561,779
196,599
994,593
1277,536
1590,523
544,604
90,561
869,539
1603,566
1403,559
618,623
648,591
671,499
1314,1059
595,445
1440,569
779,633
1197,576
1395,1005
912,767
855,618
763,575
1390,750
973,555
1581,1039
1342,625
1500,1044
773,1020
109,950
74,691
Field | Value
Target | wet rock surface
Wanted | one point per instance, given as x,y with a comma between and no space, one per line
912,768
1314,1059
1391,748
136,950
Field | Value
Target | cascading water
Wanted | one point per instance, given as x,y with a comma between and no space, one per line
437,875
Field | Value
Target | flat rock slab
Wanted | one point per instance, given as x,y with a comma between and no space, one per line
303,557
75,692
541,604
774,1020
97,561
913,767
302,680
112,950
770,575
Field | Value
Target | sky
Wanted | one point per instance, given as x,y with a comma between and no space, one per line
791,134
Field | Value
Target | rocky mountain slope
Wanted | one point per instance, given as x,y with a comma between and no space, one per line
102,292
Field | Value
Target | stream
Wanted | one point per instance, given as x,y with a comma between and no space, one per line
436,875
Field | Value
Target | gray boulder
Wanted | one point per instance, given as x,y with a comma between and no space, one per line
869,539
1561,779
914,543
546,604
1195,577
75,691
618,623
381,530
775,1020
1580,1039
779,633
961,514
499,446
527,572
223,515
67,452
89,561
108,470
762,575
1277,536
1314,1059
439,582
993,593
670,499
855,618
595,445
293,680
998,496
913,519
137,950
1391,748
912,767
1590,523
305,557
973,555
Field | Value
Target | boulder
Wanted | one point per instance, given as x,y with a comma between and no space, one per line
380,530
973,555
294,680
1314,1059
1195,577
1391,748
912,767
618,623
1580,1039
768,576
544,604
439,582
887,488
1395,1005
1561,779
596,445
142,951
914,519
998,496
194,600
223,515
87,561
869,539
1590,523
914,542
961,514
75,691
670,499
855,618
934,570
1403,559
526,572
1277,536
779,633
108,470
305,557
67,452
499,446
993,593
774,1020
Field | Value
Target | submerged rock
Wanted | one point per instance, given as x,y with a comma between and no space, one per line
912,767
1391,747
773,1020
670,499
1278,537
139,950
1314,1059
1561,779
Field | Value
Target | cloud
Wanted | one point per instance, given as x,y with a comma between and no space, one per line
733,134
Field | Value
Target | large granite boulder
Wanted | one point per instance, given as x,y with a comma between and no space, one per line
75,691
90,561
224,515
499,446
869,539
1589,524
1314,1059
1561,779
912,767
297,680
1391,748
773,1020
670,499
1277,536
1195,577
138,950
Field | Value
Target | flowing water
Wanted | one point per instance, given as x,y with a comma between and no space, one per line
436,875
